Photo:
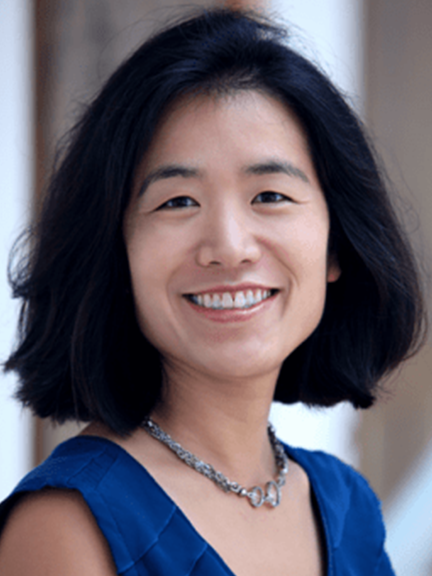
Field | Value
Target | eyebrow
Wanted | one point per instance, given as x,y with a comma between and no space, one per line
259,169
166,172
276,167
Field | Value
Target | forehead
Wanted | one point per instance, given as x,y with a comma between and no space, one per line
229,131
194,111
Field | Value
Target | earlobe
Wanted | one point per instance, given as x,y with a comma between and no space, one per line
333,269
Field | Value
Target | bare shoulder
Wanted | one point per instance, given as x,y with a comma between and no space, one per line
53,532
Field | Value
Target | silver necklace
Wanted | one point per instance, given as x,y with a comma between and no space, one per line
257,496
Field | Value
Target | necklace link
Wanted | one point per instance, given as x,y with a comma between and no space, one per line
257,496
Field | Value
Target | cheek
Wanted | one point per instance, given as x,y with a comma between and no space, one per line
303,245
148,300
312,248
147,251
144,274
153,262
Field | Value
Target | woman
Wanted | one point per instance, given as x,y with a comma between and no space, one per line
217,236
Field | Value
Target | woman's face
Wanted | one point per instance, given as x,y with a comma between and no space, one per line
227,235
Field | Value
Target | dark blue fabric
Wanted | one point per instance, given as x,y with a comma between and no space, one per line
149,535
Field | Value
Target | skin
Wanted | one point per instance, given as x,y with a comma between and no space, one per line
226,196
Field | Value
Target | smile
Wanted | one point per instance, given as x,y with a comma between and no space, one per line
239,300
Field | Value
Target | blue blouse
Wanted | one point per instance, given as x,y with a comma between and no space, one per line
150,536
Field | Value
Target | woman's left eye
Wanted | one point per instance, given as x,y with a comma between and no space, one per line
270,198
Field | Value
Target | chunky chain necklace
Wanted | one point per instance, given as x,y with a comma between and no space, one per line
257,496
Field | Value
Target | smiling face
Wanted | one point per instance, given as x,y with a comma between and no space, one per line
226,235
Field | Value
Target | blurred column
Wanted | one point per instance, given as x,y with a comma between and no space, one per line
16,174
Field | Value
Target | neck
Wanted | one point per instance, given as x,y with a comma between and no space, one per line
222,422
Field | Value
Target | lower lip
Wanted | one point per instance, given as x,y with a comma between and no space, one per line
232,314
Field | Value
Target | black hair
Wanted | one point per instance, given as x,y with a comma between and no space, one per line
81,354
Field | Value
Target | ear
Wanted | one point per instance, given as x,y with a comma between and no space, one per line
333,268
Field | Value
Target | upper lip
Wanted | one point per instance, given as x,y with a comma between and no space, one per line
232,288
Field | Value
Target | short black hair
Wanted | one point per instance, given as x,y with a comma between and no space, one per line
81,354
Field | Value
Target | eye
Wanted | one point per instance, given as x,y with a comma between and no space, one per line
178,202
270,198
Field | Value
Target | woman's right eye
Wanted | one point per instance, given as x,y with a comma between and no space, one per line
178,202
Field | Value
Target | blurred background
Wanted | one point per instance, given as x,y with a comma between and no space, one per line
55,54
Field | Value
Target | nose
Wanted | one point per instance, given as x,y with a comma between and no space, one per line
228,239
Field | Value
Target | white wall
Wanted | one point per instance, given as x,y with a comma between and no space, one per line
15,189
330,32
408,519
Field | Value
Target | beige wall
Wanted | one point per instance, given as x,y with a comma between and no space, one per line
399,112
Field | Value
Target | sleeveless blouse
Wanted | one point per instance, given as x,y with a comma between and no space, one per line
149,535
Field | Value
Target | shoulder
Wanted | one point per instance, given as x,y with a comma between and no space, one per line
97,478
55,511
348,504
54,532
332,477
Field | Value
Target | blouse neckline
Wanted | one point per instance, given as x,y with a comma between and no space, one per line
293,453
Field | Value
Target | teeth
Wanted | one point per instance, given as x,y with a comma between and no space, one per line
250,300
239,300
227,300
217,302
